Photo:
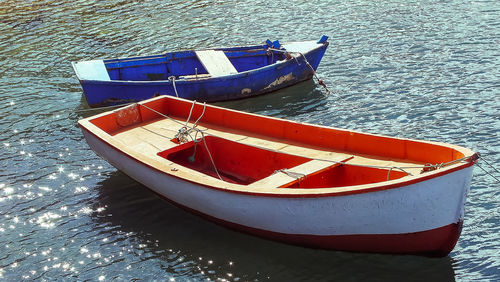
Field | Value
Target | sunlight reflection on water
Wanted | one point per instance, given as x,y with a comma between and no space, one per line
426,70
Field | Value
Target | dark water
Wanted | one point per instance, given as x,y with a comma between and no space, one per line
417,69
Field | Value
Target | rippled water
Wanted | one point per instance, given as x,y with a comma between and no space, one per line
418,69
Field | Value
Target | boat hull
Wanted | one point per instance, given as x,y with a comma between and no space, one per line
230,87
423,217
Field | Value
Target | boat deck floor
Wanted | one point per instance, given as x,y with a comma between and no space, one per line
152,138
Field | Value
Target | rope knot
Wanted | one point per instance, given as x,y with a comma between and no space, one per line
430,167
182,134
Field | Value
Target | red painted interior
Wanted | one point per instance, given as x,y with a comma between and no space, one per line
345,175
243,164
235,162
290,132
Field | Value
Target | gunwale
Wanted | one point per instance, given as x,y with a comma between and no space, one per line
120,139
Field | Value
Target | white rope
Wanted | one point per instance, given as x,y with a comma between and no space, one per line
490,174
202,113
172,78
101,108
161,114
401,168
190,112
186,130
296,175
484,160
210,155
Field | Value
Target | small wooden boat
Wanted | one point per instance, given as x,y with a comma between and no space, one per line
208,75
294,182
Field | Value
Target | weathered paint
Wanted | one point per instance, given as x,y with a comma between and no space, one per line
246,91
383,221
259,72
280,80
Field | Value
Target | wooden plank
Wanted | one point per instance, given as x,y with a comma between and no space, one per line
215,62
280,178
312,166
92,70
274,180
195,76
156,136
301,47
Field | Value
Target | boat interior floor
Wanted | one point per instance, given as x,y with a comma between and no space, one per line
155,137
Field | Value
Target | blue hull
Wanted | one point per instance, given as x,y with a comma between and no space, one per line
260,70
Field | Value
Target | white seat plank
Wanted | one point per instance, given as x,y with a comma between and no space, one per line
216,63
91,70
279,179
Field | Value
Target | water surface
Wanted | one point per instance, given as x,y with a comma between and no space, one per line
416,69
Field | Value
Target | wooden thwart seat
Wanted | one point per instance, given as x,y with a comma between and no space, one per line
281,178
92,70
216,63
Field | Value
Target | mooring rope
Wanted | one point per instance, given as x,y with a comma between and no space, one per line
161,114
190,112
172,78
320,81
101,108
186,130
195,124
488,173
484,160
426,167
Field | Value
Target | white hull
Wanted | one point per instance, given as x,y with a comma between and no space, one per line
293,182
419,207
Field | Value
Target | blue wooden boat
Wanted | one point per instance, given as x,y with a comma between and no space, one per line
218,74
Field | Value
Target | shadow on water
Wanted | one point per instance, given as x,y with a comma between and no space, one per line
292,101
133,209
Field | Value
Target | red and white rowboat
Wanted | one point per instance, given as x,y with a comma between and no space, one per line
298,183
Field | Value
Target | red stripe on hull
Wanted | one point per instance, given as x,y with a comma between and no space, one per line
437,242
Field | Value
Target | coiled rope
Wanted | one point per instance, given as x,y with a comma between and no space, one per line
189,129
185,131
